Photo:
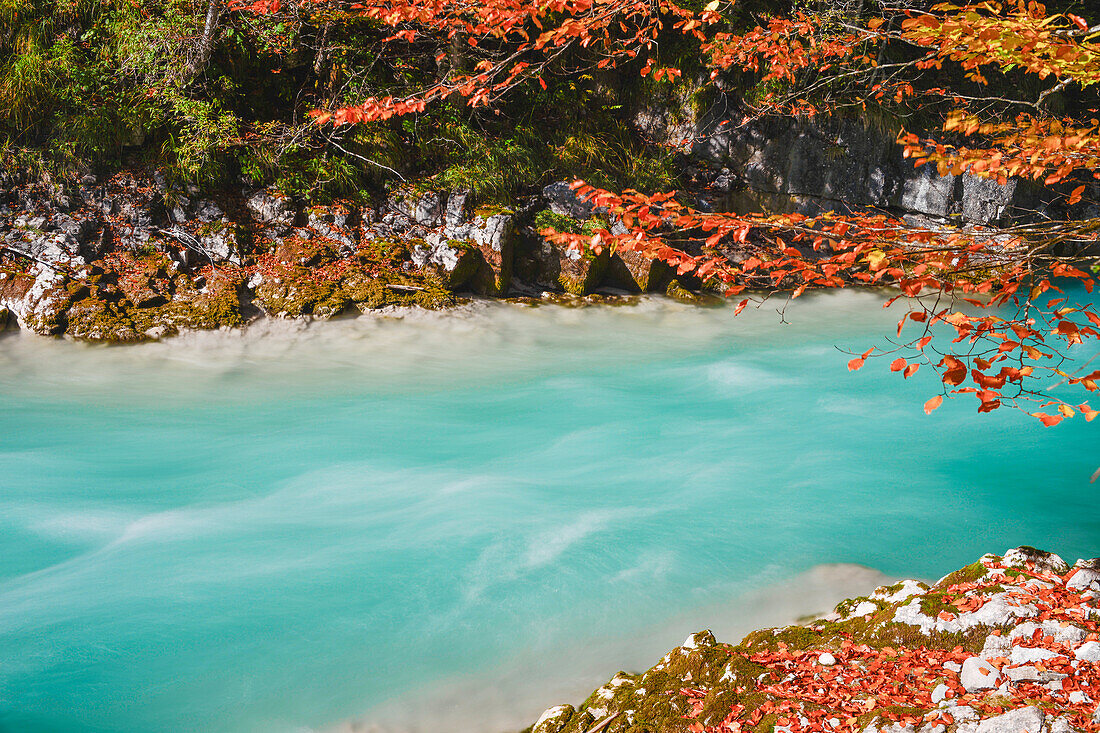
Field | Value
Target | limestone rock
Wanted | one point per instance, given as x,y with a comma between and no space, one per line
1021,720
939,694
427,208
1023,557
273,211
553,719
337,223
219,241
1027,655
817,165
493,233
1085,575
978,674
1088,652
454,262
636,273
559,268
563,201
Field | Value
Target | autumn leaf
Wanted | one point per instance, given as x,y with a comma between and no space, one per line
932,404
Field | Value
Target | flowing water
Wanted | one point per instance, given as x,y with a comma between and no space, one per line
447,522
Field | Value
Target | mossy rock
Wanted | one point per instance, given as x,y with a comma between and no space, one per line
95,319
637,273
299,292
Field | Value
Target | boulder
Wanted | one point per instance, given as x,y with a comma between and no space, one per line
493,234
553,719
637,273
555,267
1088,652
1025,557
273,211
1022,720
336,222
1085,575
978,674
454,262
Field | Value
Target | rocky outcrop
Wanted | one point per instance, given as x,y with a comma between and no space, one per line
1006,645
134,258
812,166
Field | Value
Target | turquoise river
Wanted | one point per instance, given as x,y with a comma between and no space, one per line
448,522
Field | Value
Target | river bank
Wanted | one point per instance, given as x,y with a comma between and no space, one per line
1006,645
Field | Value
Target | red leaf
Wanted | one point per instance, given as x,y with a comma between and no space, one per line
855,364
932,404
898,364
1048,420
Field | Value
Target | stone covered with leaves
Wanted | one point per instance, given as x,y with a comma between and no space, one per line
1007,645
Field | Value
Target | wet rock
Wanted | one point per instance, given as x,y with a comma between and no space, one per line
978,674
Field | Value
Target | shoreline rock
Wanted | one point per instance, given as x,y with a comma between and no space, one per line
133,259
1009,644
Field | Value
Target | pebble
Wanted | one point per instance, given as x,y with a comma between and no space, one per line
826,659
940,694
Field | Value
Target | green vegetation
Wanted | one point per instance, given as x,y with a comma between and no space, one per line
98,85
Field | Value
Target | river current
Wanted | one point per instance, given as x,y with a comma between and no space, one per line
450,521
